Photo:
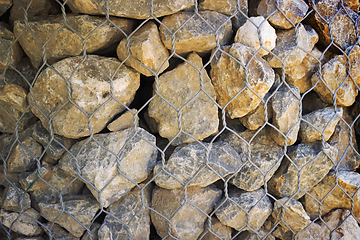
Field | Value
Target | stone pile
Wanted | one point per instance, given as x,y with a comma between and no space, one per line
226,119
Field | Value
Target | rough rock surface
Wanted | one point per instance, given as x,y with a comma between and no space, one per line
99,37
217,230
310,159
8,55
257,205
229,78
293,10
354,63
188,222
10,177
15,200
100,169
90,88
145,48
126,120
27,179
130,9
181,88
59,233
250,235
197,165
93,232
253,30
195,34
5,5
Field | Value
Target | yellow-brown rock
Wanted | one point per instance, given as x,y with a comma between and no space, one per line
5,5
124,121
10,51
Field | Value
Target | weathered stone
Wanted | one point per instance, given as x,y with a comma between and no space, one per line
146,51
126,120
181,88
93,232
14,199
216,230
320,124
258,235
130,9
195,33
257,33
334,79
9,177
27,179
197,165
259,162
22,224
10,51
228,7
101,36
292,46
90,88
230,78
293,10
54,212
188,221
352,4
58,233
313,232
354,63
306,159
131,210
257,205
135,159
285,106
344,195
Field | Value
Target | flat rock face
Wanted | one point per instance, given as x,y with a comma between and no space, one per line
14,199
257,205
7,39
89,89
181,88
310,158
108,173
354,62
195,34
188,221
293,10
126,120
189,164
333,74
145,48
229,78
130,9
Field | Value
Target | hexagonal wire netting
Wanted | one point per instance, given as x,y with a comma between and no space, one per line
282,158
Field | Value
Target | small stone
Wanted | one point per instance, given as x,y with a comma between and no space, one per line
5,5
265,159
136,160
10,50
229,78
101,36
22,224
53,212
292,46
131,210
188,221
137,9
181,88
197,165
310,159
146,51
253,30
257,205
14,199
195,33
58,233
93,232
126,120
31,180
320,124
285,107
217,230
333,75
90,88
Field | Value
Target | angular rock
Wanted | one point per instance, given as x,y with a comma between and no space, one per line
249,235
188,221
181,88
22,224
131,210
293,10
14,199
217,230
10,50
31,180
292,46
9,177
354,63
103,171
101,36
319,124
257,33
5,5
197,165
53,212
196,34
90,88
257,205
146,51
93,232
130,9
229,78
126,120
285,106
310,159
265,159
333,79
58,233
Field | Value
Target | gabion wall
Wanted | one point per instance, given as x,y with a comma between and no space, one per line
159,119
